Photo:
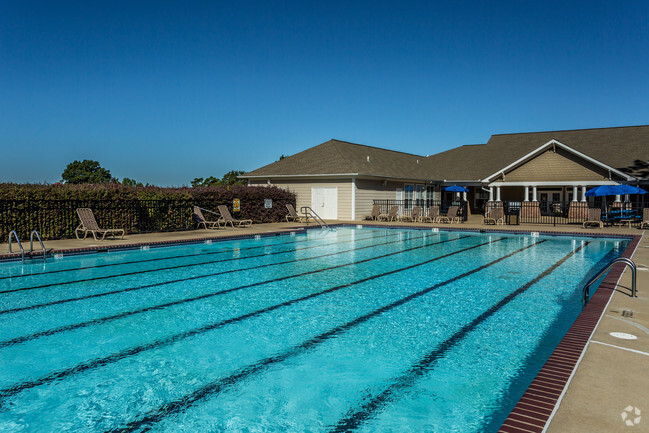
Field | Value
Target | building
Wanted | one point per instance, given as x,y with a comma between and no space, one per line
341,180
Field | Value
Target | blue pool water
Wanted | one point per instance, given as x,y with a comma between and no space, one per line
372,330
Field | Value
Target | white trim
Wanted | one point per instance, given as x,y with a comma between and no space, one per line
553,142
353,199
556,183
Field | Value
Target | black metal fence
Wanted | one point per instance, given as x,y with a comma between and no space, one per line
406,206
561,213
56,219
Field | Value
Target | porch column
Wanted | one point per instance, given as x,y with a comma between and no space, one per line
574,193
534,193
497,193
464,196
527,193
627,198
583,193
491,193
617,199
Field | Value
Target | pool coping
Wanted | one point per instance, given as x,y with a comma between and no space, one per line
535,409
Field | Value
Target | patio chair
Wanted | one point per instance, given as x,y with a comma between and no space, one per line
294,216
494,216
451,216
89,225
645,218
391,215
414,216
376,211
433,215
226,218
594,218
200,220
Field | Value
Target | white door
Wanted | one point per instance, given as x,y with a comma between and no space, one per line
324,202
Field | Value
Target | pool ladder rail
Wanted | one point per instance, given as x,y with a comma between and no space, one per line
306,210
13,234
626,261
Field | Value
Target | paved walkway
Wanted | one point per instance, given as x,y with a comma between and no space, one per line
609,391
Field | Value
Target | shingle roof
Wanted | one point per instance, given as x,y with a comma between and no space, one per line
341,157
623,148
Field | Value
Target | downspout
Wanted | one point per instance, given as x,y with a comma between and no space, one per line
354,198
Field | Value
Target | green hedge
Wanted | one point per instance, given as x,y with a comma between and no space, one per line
51,209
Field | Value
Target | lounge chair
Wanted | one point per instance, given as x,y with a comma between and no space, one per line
376,211
200,220
294,216
451,216
494,216
415,215
594,218
89,225
433,215
645,218
226,218
391,215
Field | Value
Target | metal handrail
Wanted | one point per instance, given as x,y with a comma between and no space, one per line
22,250
31,243
628,262
308,211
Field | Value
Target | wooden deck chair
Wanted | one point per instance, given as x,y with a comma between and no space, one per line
376,211
89,225
294,216
433,215
594,218
415,215
200,220
494,216
451,216
226,218
645,218
391,215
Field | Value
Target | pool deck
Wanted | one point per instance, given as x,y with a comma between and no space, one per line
607,392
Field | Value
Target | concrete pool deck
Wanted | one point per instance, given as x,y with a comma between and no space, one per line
607,392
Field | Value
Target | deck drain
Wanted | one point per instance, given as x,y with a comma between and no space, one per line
623,335
627,313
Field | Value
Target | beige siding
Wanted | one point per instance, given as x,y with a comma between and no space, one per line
368,190
302,189
556,166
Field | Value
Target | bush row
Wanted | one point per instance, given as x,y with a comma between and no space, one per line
51,209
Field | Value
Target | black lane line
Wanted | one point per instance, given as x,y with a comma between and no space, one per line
222,251
196,277
189,265
355,418
99,362
221,385
106,319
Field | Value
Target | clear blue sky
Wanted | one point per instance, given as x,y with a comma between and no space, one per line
164,91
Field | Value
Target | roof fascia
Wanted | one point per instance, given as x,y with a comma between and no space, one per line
553,142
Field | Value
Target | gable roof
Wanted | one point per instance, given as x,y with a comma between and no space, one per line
336,157
624,148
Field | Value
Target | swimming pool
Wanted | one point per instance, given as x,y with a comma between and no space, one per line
355,329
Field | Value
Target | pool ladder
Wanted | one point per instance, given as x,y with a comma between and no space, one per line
306,210
626,261
13,234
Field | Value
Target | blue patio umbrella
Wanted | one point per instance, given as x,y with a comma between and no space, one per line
630,189
456,188
605,190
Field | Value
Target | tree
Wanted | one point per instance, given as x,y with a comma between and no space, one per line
229,178
131,182
86,171
282,156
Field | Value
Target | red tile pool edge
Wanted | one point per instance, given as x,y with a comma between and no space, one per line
535,407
